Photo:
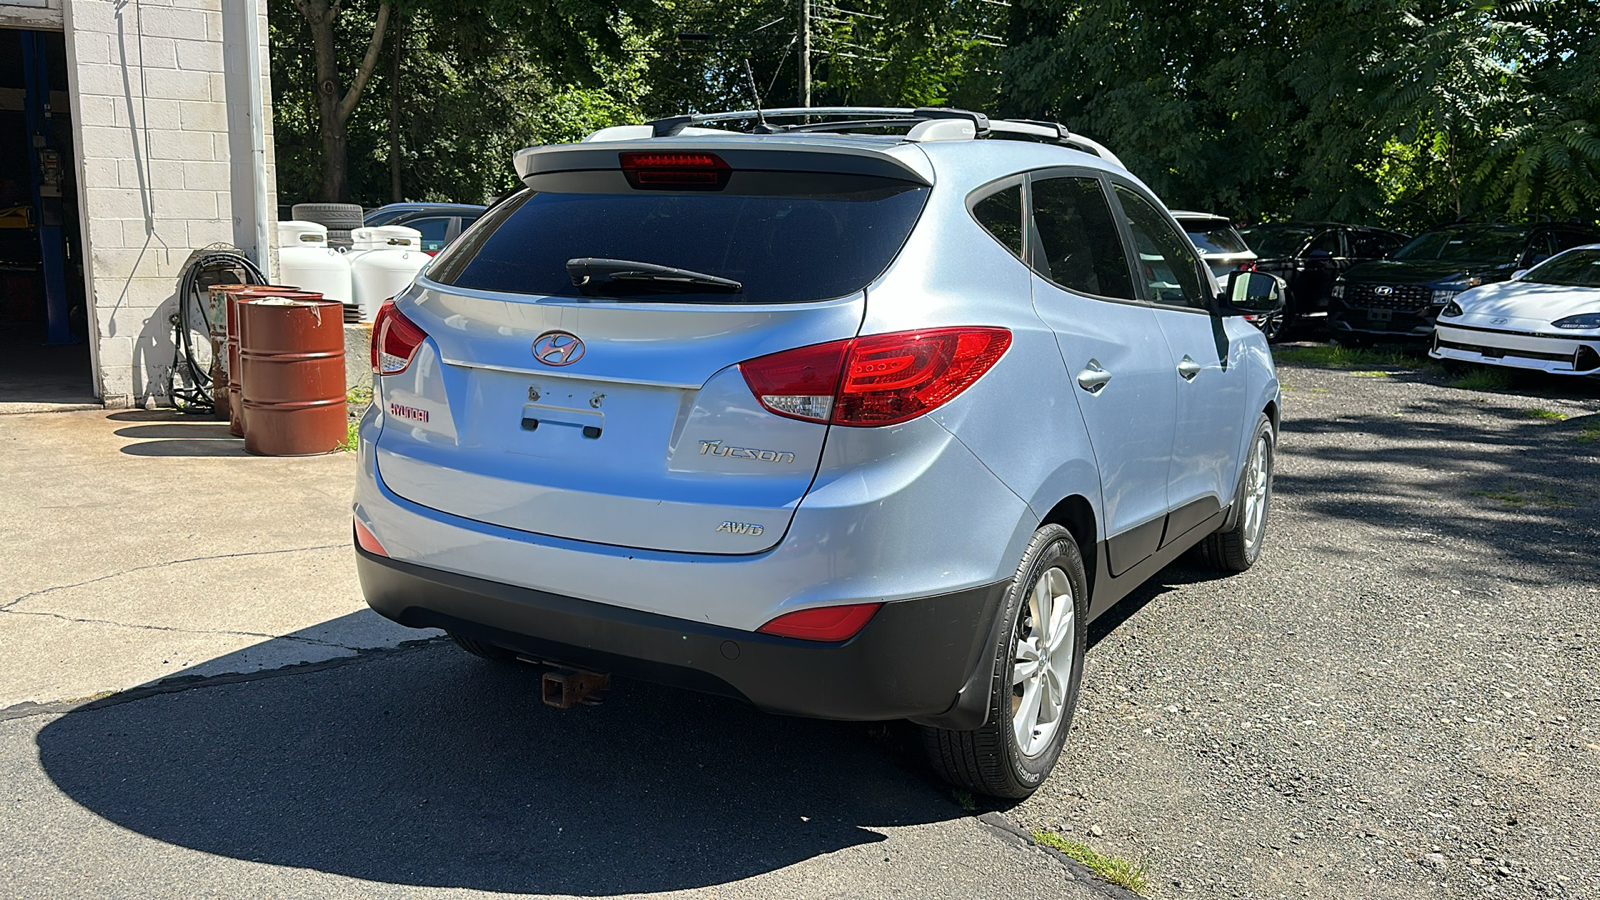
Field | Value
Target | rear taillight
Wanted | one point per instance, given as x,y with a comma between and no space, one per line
675,171
825,623
880,379
395,340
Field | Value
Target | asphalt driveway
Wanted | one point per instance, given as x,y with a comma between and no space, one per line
1400,700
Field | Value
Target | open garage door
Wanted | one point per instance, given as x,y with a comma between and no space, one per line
44,354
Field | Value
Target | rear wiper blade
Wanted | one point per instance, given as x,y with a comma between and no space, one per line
588,270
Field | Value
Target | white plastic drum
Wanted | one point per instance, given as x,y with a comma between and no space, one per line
383,262
306,261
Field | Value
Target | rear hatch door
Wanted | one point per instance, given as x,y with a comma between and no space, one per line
615,412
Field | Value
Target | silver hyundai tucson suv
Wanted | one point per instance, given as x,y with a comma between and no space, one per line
859,414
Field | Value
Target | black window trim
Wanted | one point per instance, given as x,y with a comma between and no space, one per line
985,191
1140,284
1122,231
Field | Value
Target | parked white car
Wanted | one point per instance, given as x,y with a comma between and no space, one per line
1546,318
1219,243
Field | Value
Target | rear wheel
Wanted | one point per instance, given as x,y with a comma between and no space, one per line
1236,547
1038,668
483,649
1276,325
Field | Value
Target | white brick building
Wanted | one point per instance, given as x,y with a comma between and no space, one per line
168,109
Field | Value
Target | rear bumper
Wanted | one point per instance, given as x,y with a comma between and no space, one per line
924,659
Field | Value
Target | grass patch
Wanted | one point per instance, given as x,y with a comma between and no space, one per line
1484,379
1333,356
1589,435
963,798
1130,875
360,395
352,436
1372,374
1548,415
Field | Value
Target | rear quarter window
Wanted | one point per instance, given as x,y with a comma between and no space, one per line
782,249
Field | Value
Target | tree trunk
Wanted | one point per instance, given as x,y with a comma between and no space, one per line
396,195
334,106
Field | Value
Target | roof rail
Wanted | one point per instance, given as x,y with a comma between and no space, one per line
845,118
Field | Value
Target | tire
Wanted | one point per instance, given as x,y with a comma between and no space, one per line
1236,547
1277,325
337,216
992,759
483,649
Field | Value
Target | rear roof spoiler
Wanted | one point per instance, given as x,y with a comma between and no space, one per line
736,149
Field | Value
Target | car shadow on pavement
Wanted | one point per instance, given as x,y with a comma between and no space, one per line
423,766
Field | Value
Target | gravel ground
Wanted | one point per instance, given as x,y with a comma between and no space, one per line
1401,699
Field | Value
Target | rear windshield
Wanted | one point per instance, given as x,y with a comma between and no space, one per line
1211,236
1461,245
1274,241
782,249
1577,268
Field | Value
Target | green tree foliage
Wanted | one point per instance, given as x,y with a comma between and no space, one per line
1406,112
1397,112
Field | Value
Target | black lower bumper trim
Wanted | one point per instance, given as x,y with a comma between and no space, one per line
911,661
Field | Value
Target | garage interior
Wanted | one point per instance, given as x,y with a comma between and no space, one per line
44,350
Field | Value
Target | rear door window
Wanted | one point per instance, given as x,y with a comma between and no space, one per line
1077,244
1327,242
435,232
792,248
1166,258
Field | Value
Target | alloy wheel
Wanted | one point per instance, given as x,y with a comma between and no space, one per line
1046,642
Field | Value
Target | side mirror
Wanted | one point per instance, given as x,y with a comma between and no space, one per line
1250,294
1320,253
1517,275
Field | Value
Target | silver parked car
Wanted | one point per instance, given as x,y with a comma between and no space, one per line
865,416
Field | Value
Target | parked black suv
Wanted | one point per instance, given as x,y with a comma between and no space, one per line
1309,257
1399,297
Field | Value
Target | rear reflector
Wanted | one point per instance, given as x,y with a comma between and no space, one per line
367,542
395,340
825,623
675,171
880,379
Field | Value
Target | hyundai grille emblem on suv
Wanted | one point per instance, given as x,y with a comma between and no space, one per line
558,348
1383,290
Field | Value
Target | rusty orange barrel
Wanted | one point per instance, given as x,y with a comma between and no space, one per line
231,299
217,325
291,374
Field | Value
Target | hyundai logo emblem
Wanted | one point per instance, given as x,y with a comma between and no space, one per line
558,348
1501,320
1383,290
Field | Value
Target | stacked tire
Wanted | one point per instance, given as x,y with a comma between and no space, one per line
339,218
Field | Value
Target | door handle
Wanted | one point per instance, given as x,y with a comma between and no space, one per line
1188,368
1093,378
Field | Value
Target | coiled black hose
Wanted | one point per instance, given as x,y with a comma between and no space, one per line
189,382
